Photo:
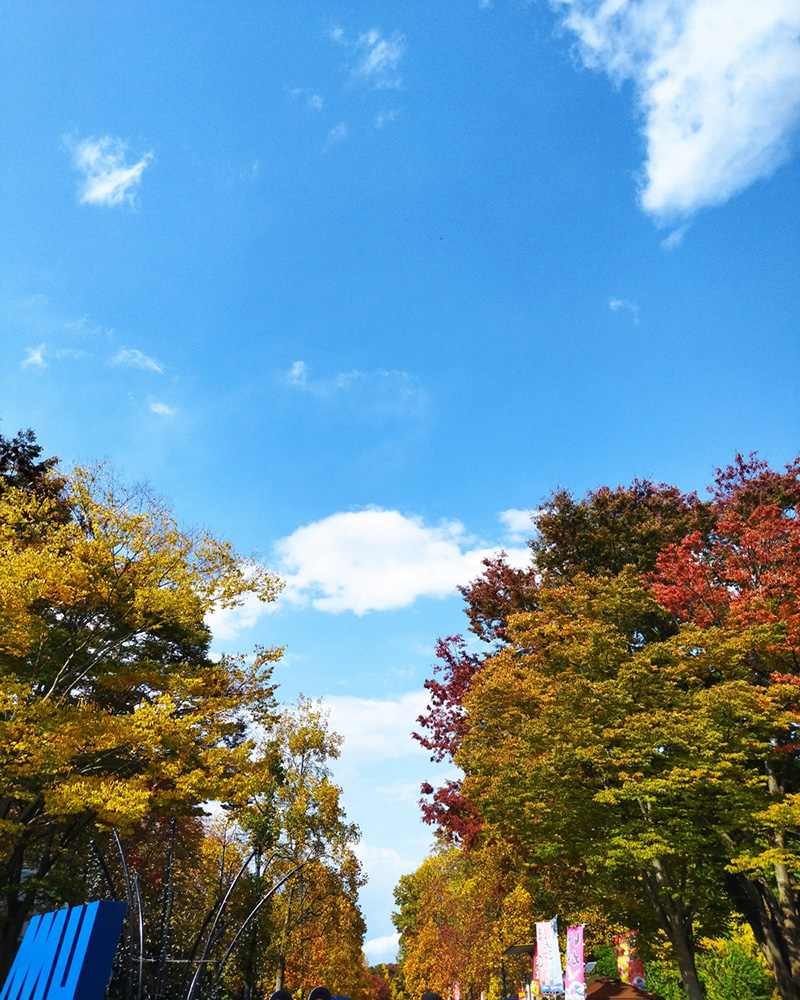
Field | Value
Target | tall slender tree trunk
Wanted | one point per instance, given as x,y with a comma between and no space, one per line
762,912
9,937
684,953
676,922
17,907
279,972
281,967
789,918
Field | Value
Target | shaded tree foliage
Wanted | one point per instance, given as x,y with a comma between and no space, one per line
633,711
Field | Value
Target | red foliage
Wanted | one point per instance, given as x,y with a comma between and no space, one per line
445,718
749,483
448,809
381,990
457,819
748,572
498,592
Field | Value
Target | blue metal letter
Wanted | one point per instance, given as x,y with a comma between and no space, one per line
66,955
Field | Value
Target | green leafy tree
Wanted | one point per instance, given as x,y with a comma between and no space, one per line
635,717
317,912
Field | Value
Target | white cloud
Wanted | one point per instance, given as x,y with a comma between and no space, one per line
379,58
131,358
384,117
377,729
336,135
83,327
382,857
381,392
161,409
226,624
108,178
376,59
518,523
675,238
382,949
308,97
616,304
717,82
71,352
298,373
377,560
34,357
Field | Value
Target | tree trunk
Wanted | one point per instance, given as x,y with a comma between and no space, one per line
9,940
676,922
786,910
790,921
760,909
684,953
281,969
17,907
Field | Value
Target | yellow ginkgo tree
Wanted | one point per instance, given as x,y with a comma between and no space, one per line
111,709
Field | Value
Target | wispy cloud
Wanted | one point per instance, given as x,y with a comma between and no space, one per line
71,352
83,327
717,83
380,58
384,117
161,409
131,358
675,238
375,58
625,304
298,373
336,135
309,97
108,178
376,560
386,393
34,357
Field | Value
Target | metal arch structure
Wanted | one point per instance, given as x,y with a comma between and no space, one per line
70,954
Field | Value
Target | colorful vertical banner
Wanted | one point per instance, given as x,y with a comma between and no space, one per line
629,965
536,986
574,983
551,977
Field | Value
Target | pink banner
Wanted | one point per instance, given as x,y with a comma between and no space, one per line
548,957
536,986
574,984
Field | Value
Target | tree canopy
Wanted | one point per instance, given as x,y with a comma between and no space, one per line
114,714
629,724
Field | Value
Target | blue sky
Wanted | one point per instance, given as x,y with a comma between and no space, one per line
356,285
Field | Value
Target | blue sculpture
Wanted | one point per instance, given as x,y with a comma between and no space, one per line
67,954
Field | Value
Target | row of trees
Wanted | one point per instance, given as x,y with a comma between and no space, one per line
114,715
627,728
